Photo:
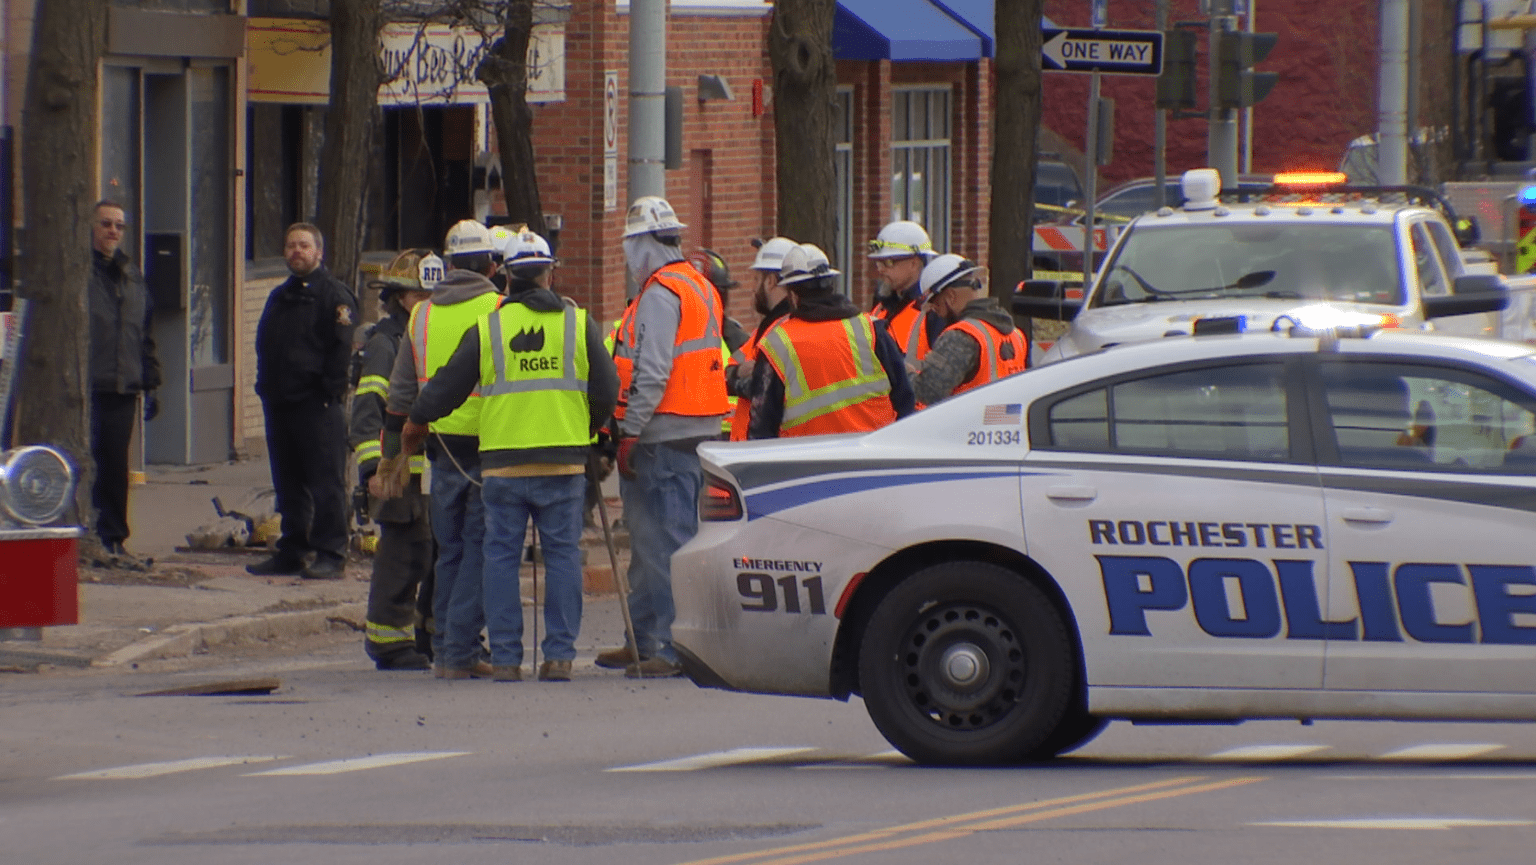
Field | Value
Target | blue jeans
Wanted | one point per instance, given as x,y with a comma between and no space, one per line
458,523
554,502
661,509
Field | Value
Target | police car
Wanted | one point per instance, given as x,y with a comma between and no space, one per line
1270,525
1260,254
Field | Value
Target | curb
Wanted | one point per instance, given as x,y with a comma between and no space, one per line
183,640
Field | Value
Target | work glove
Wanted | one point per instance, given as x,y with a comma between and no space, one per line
412,436
625,457
390,480
151,406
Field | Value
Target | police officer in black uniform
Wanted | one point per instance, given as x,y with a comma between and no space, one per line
400,592
303,349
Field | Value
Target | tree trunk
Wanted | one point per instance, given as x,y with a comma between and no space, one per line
59,131
804,100
1016,117
356,74
505,73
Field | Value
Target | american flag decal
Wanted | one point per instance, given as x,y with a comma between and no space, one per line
1009,414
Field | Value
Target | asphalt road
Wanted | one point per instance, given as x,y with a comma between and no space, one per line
344,764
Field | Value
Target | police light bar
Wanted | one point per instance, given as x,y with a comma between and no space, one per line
1310,179
1528,197
1324,320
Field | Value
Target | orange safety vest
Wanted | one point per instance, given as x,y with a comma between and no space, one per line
696,387
992,365
833,381
748,351
621,342
909,331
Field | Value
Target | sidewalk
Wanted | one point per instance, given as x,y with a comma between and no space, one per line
191,601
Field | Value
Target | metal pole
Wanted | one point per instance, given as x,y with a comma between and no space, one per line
647,97
1253,11
1221,128
1392,115
1160,131
1093,180
621,579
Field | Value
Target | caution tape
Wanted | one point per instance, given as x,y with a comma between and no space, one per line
1078,211
1059,275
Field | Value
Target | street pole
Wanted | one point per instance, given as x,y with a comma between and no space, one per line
1221,128
1100,21
1392,116
647,97
1251,12
1160,130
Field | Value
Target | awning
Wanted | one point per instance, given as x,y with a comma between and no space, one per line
902,30
977,15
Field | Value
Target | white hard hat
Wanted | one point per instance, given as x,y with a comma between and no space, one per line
650,214
805,262
770,256
944,271
467,237
501,235
900,240
526,248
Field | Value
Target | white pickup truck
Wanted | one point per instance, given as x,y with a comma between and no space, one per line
1266,259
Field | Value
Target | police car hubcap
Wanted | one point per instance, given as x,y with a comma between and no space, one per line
963,666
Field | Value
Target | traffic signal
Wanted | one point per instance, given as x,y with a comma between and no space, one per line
1237,85
1176,86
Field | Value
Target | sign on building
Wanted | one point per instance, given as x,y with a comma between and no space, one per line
289,61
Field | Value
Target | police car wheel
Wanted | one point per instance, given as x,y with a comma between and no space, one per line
966,663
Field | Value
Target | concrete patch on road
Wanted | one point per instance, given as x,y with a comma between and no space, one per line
184,640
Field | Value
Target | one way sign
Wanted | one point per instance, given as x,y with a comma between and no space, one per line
1122,52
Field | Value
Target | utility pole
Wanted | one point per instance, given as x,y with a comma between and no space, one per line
647,98
1221,129
1392,116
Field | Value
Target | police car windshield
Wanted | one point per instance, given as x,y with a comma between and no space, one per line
1269,259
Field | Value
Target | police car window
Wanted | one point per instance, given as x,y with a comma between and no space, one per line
1450,253
1426,260
1276,259
1232,412
1428,418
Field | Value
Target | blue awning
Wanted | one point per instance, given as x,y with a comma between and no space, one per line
977,15
903,30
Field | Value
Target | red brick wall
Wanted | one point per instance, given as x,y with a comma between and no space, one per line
1326,58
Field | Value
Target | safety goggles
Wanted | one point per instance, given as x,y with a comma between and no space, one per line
878,246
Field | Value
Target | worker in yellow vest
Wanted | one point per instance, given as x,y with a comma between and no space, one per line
545,386
458,519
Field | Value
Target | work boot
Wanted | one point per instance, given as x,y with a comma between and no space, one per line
407,660
476,670
555,671
325,568
507,672
276,566
616,659
653,668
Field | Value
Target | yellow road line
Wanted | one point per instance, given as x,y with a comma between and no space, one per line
960,825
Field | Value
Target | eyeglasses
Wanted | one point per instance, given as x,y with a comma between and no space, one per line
888,263
108,223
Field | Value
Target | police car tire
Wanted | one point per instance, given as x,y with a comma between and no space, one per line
1003,637
1076,729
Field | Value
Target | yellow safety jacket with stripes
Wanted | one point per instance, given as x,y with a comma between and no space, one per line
435,331
533,379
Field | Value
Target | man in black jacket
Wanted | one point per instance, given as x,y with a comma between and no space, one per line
303,351
123,365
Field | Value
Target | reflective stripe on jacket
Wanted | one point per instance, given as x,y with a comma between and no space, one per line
833,382
436,330
533,379
696,387
992,365
621,345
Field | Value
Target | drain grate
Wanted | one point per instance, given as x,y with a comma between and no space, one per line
482,833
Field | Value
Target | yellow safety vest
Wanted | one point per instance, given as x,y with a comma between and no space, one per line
533,379
436,330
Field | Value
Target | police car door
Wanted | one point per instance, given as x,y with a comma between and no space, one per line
1429,487
1180,510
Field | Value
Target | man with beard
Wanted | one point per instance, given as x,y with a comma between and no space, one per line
829,368
771,301
899,252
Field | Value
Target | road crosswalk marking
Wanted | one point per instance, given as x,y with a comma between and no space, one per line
716,759
358,764
1266,752
1440,752
171,767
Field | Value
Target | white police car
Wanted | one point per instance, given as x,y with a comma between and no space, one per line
1386,251
1207,528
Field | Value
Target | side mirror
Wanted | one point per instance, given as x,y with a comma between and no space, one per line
1471,293
1047,299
